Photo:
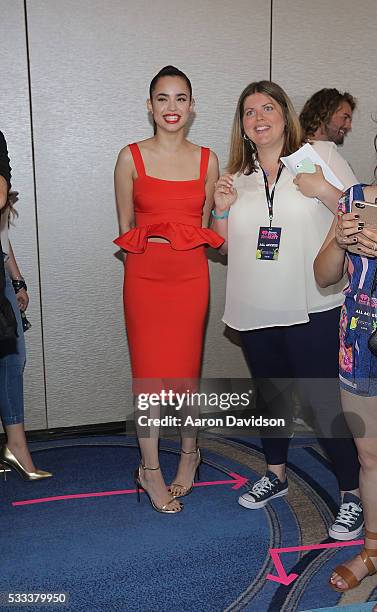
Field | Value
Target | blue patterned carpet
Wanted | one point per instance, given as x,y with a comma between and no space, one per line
108,552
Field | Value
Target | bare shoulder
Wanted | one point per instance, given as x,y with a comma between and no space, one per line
149,144
125,155
125,167
192,149
197,149
213,159
370,193
213,166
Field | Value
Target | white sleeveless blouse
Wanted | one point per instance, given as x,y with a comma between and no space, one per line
265,293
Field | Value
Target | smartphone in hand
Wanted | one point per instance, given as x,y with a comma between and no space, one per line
305,165
367,212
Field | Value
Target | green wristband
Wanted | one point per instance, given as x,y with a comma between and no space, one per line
224,215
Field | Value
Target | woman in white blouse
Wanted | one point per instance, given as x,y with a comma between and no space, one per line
288,325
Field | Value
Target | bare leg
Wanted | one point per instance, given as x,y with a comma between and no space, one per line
190,455
148,437
16,442
365,407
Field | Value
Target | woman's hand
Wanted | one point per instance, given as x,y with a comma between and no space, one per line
311,184
367,240
346,229
314,185
22,299
225,194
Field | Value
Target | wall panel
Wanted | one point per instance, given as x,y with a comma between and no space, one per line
321,44
15,124
91,63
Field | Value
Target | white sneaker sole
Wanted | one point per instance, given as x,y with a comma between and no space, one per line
255,505
346,536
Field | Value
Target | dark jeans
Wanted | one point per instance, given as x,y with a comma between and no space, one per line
12,363
304,355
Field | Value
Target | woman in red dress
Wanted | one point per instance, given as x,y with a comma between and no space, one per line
164,190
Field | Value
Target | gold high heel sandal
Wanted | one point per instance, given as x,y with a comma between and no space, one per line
186,490
348,576
163,509
8,459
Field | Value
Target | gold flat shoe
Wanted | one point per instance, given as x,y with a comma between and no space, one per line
8,459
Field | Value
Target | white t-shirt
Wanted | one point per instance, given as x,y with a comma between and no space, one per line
266,293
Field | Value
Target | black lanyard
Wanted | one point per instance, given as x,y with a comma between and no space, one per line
270,196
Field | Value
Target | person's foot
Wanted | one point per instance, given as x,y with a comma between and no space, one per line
358,568
183,482
267,488
349,521
22,453
8,458
153,482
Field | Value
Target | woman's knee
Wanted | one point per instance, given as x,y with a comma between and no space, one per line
368,455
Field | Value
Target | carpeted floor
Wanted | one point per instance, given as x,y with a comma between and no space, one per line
107,552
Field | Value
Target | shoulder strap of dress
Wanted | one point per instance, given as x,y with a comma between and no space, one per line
204,158
138,160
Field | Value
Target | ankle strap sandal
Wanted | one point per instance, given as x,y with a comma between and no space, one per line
348,576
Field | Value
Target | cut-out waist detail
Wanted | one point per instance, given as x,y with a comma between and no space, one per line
181,236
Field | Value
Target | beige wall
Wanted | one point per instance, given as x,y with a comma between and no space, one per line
331,44
90,65
16,124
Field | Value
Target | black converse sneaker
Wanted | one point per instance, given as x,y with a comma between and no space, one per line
268,487
350,520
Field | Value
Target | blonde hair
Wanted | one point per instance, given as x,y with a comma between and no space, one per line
243,154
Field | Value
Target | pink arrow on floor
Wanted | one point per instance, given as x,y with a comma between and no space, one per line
282,576
237,482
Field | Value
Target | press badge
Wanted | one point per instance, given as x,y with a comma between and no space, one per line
268,243
364,317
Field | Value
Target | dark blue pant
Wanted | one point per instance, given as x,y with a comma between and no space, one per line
305,355
12,363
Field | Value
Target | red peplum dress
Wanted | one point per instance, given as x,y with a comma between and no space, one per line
166,285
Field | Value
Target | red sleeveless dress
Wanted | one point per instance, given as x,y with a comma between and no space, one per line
166,285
